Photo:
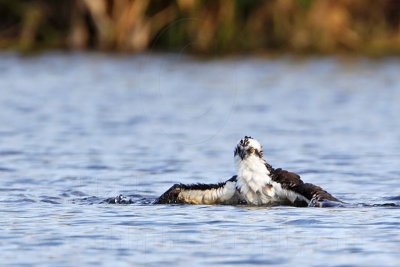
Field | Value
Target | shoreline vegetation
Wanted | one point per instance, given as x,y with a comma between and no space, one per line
354,27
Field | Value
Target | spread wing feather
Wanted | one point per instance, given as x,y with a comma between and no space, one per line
292,181
171,196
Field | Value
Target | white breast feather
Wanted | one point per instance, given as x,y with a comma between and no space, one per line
256,186
253,177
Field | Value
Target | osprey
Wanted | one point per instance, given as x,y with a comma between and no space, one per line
256,183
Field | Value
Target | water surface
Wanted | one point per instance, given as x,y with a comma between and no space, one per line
76,129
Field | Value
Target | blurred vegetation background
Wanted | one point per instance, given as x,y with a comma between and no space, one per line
370,27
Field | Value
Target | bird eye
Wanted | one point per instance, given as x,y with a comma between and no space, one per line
251,150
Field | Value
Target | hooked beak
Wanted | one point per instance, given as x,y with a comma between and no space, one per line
239,151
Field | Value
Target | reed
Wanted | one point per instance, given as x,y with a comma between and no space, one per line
210,26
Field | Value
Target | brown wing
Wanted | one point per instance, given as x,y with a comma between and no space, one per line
292,181
311,191
288,180
171,195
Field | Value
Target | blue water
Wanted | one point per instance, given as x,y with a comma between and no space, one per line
76,129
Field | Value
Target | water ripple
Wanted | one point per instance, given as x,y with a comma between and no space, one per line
88,141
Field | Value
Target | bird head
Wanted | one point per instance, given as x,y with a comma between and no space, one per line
248,147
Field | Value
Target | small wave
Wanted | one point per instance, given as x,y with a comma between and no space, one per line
9,152
50,201
88,200
394,198
7,189
141,200
303,222
5,169
119,200
97,167
68,193
379,205
132,199
23,200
